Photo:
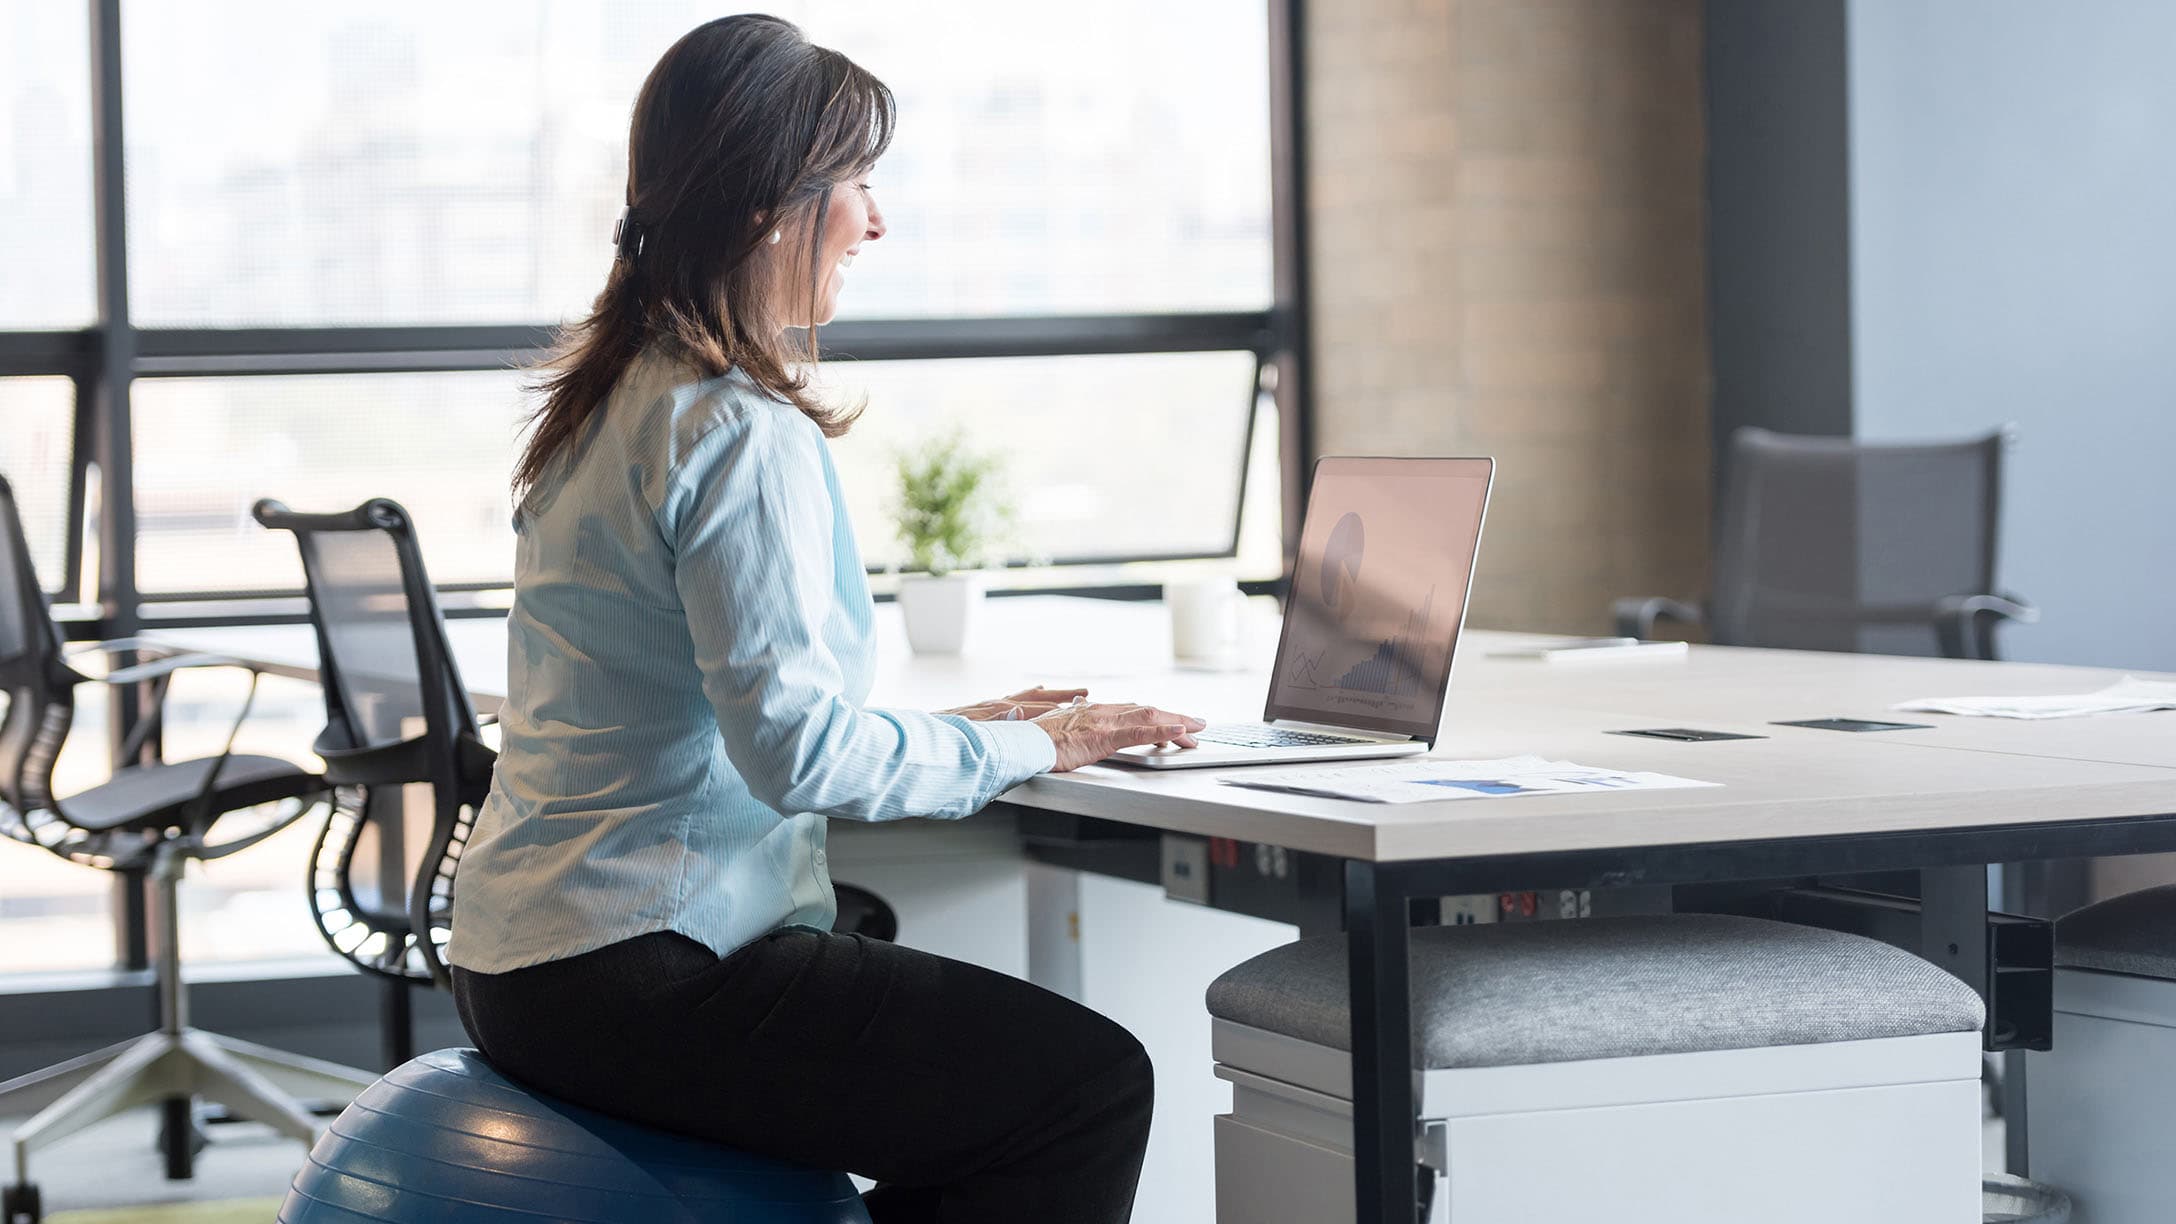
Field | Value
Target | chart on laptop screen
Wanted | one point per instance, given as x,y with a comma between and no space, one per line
1380,589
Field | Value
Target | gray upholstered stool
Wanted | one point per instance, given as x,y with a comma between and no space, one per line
1697,1069
2102,1103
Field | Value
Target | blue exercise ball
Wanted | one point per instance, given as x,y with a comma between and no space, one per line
446,1139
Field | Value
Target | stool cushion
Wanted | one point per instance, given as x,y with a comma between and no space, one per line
1513,994
2134,934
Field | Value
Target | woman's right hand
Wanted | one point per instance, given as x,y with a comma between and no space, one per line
1086,734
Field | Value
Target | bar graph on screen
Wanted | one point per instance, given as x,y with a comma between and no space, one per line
1398,665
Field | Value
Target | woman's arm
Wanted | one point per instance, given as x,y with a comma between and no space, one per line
750,520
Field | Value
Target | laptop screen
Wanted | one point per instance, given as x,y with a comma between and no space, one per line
1379,593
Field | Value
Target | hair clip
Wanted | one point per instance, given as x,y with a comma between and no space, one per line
627,234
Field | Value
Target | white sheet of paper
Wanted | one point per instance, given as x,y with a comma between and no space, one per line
1425,780
2129,695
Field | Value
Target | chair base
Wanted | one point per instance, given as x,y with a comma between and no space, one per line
251,1081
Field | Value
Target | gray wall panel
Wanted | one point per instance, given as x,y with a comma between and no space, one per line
1778,216
2014,259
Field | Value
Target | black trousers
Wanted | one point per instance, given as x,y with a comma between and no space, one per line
966,1094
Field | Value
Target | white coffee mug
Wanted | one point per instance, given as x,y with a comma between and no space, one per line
1207,621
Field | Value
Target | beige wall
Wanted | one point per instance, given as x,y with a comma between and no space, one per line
1505,202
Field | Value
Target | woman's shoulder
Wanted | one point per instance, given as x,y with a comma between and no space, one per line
697,418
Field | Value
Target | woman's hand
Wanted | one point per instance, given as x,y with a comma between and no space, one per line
1027,703
1086,734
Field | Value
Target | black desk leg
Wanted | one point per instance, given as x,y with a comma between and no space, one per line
2016,1155
1953,934
1953,922
1383,1117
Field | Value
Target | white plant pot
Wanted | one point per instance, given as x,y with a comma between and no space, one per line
940,611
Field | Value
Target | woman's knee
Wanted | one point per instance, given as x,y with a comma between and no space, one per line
1139,1074
1100,1039
1126,1065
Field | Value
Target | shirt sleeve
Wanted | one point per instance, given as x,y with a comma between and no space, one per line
749,519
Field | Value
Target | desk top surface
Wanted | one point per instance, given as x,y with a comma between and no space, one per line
1795,782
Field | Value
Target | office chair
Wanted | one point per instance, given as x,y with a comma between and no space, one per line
148,819
1830,544
396,714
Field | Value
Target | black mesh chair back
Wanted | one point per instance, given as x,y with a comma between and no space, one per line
1830,544
396,716
39,688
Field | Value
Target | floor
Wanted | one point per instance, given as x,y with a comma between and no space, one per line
114,1165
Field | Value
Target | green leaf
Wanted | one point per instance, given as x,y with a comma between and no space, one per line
951,506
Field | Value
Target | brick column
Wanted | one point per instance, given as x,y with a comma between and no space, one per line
1506,200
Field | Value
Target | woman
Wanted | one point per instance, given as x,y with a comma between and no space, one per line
644,910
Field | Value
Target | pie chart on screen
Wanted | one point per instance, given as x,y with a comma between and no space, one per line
1341,565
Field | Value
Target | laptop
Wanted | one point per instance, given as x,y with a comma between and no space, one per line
1378,599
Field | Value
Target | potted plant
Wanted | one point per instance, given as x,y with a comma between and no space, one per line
951,511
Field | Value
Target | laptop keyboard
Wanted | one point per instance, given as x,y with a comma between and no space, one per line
1256,735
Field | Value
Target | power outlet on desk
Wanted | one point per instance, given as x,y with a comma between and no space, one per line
1254,878
1186,868
1537,905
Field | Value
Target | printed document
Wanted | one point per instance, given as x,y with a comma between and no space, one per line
2129,695
1425,780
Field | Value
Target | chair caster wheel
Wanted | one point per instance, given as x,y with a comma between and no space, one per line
19,1204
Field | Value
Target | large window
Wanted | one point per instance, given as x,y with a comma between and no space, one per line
58,915
1101,457
208,448
45,167
464,163
37,434
346,227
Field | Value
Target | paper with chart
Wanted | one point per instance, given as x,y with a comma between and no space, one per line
1428,781
2129,695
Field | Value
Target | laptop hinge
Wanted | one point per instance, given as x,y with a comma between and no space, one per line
1294,724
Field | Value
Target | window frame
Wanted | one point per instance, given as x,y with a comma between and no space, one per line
104,359
289,352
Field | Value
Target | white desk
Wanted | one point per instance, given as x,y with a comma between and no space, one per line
1800,802
1796,782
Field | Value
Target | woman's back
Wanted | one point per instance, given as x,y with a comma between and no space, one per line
615,797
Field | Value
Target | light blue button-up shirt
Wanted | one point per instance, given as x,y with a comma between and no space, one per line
688,654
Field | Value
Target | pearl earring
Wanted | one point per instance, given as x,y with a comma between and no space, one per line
776,236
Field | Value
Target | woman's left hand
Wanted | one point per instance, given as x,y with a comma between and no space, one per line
1023,705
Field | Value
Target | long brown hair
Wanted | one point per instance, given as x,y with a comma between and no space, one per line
744,127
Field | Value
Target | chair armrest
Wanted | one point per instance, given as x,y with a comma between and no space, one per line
162,660
394,764
1637,616
143,646
158,672
2002,607
167,666
1966,623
